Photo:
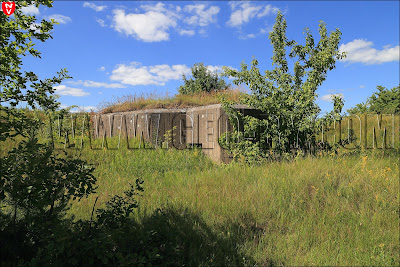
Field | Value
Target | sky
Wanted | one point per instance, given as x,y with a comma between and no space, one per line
118,48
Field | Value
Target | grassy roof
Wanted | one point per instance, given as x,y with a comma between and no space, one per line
153,101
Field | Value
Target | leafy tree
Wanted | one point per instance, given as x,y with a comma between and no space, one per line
385,100
35,184
382,101
288,99
363,107
203,80
336,113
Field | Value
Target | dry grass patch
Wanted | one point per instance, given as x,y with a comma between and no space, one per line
153,100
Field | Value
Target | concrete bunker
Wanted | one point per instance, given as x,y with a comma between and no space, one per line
196,126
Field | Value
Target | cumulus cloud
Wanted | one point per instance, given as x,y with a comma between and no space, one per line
329,97
159,7
362,51
102,68
59,18
242,13
136,74
154,23
268,9
201,15
152,26
64,90
30,10
94,6
96,84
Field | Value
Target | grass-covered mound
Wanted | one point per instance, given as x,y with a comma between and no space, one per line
153,101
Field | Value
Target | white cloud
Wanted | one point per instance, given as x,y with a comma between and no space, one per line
104,85
154,23
216,68
202,16
329,97
80,108
94,6
59,18
159,7
35,27
152,26
242,13
102,68
187,32
268,9
30,10
64,90
135,74
247,36
362,86
362,51
101,22
96,84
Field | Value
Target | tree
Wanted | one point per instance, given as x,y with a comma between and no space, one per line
336,113
359,108
203,81
382,101
35,184
385,100
288,99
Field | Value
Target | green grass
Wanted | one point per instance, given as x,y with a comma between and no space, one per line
324,210
329,210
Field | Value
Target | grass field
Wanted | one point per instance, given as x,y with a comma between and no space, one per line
326,210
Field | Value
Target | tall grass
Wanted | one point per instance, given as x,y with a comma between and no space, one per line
153,100
350,131
332,209
327,210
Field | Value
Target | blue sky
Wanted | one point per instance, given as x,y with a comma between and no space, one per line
113,48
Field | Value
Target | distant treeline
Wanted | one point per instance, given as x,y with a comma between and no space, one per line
384,101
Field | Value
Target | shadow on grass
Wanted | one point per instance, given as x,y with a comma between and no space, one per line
183,238
168,237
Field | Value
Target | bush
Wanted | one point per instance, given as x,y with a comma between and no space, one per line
203,81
